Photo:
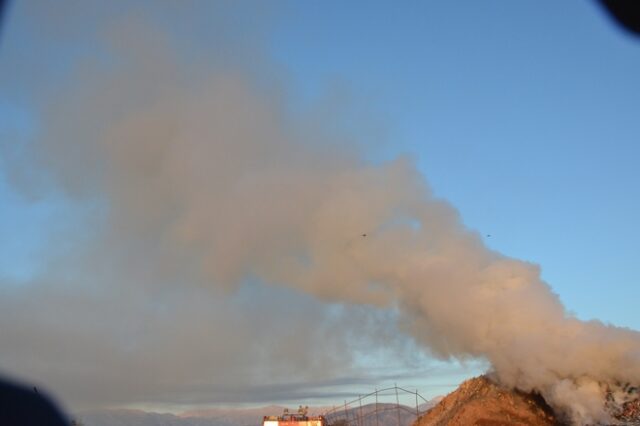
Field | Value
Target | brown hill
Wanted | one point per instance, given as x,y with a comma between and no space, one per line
481,402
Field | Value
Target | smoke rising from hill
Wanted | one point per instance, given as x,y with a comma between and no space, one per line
203,180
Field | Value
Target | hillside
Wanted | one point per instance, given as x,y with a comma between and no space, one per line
481,402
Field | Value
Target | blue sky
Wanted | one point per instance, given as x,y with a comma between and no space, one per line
524,115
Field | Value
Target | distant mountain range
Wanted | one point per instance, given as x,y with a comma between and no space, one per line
367,415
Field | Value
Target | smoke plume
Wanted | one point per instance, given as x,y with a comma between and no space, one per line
199,180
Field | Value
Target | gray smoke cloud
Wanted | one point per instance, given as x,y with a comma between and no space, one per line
145,294
225,224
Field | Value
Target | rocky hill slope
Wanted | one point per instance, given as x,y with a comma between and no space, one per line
481,402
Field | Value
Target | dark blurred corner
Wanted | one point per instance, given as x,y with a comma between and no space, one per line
625,13
27,406
4,4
